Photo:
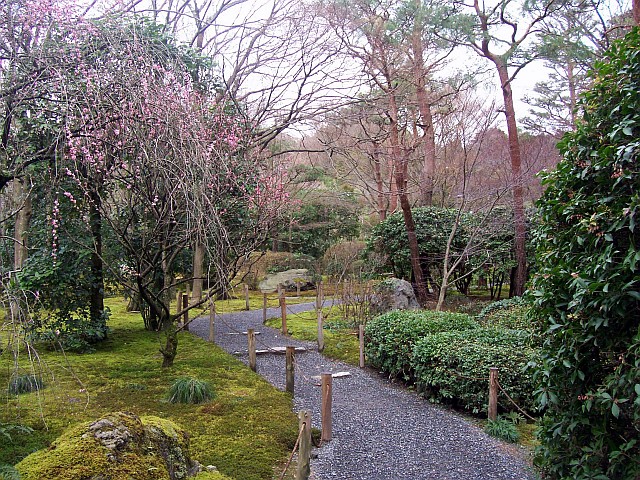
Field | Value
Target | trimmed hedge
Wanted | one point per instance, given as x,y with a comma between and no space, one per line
511,313
453,367
390,337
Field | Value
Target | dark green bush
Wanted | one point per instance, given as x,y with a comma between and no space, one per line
508,313
453,367
190,390
390,337
25,383
588,287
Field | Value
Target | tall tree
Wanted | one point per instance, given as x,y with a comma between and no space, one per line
500,33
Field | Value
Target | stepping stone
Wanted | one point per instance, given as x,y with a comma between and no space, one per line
241,333
333,375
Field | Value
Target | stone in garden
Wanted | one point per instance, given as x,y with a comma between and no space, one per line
119,445
393,294
288,280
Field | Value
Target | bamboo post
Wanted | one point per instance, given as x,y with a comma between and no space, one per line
264,308
493,393
212,319
283,311
327,423
251,338
319,302
290,370
246,297
185,304
304,450
361,335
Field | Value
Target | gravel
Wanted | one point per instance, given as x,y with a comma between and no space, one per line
380,431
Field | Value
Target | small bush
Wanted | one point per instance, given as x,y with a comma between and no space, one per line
390,337
509,313
25,383
503,429
190,390
453,367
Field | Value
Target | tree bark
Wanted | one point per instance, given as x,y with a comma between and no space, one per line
198,262
22,199
636,11
96,293
400,162
519,243
428,139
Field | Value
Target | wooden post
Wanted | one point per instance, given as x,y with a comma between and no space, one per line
493,393
185,304
319,302
264,308
178,301
212,319
361,335
304,450
327,423
251,338
283,311
290,370
297,288
246,297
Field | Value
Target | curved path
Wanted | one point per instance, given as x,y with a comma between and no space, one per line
380,431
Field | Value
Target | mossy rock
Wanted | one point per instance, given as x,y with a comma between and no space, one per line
117,446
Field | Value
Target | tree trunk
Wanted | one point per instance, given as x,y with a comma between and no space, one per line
22,200
377,171
636,11
198,262
96,293
428,139
520,274
170,349
401,185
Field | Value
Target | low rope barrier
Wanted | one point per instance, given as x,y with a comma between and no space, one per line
295,448
514,403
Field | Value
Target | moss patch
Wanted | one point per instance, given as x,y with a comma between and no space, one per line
246,431
340,343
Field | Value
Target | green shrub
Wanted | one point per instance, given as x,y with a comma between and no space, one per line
503,429
588,288
190,390
453,367
390,337
25,383
509,313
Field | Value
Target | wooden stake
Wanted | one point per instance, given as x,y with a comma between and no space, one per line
212,319
246,297
319,302
251,338
327,423
361,335
264,308
283,312
185,304
493,393
304,450
290,370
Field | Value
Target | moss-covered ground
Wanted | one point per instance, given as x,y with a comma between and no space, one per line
247,431
340,339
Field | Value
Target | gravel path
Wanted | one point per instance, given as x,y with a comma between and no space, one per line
380,431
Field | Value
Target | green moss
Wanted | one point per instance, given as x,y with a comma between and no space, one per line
246,431
340,344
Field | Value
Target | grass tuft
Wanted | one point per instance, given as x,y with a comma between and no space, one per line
190,390
25,383
503,429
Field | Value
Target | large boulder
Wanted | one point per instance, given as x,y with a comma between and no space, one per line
393,294
288,279
117,446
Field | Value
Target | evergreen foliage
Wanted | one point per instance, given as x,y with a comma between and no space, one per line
587,291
